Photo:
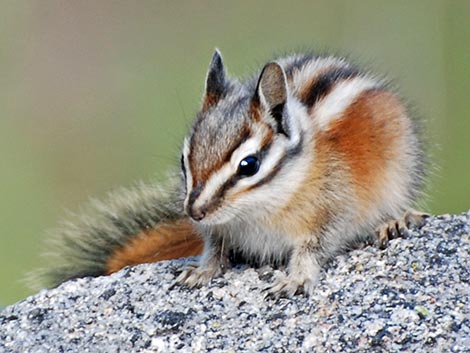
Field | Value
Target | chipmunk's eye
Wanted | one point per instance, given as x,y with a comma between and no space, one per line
248,166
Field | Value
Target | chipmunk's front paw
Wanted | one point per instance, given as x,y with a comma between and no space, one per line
286,286
197,276
398,227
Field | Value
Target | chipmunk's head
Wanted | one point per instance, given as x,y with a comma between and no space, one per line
239,147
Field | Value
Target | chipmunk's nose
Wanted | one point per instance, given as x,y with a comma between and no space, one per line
197,214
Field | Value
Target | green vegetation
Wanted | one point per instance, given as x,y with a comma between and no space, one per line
96,95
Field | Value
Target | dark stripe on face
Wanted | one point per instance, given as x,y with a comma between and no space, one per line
219,194
291,153
246,134
232,181
194,194
322,85
199,175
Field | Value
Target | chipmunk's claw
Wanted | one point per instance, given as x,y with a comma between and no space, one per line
195,275
287,286
399,227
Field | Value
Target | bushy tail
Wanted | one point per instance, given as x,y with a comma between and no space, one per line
131,226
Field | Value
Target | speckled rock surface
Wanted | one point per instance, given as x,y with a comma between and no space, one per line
413,297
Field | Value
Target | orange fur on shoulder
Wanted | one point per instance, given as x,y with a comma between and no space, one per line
367,136
166,242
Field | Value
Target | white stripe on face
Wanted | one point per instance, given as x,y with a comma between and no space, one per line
189,176
250,147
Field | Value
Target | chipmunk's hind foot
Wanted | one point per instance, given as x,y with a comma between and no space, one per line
398,227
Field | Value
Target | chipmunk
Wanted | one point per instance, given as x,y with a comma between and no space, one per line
296,164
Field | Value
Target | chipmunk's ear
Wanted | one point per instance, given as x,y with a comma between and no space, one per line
271,93
216,82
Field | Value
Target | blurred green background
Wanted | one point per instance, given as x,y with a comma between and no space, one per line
95,95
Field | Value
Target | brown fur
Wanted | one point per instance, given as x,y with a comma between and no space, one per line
367,136
255,110
360,141
210,99
200,175
166,242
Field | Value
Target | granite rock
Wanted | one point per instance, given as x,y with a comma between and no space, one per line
412,296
